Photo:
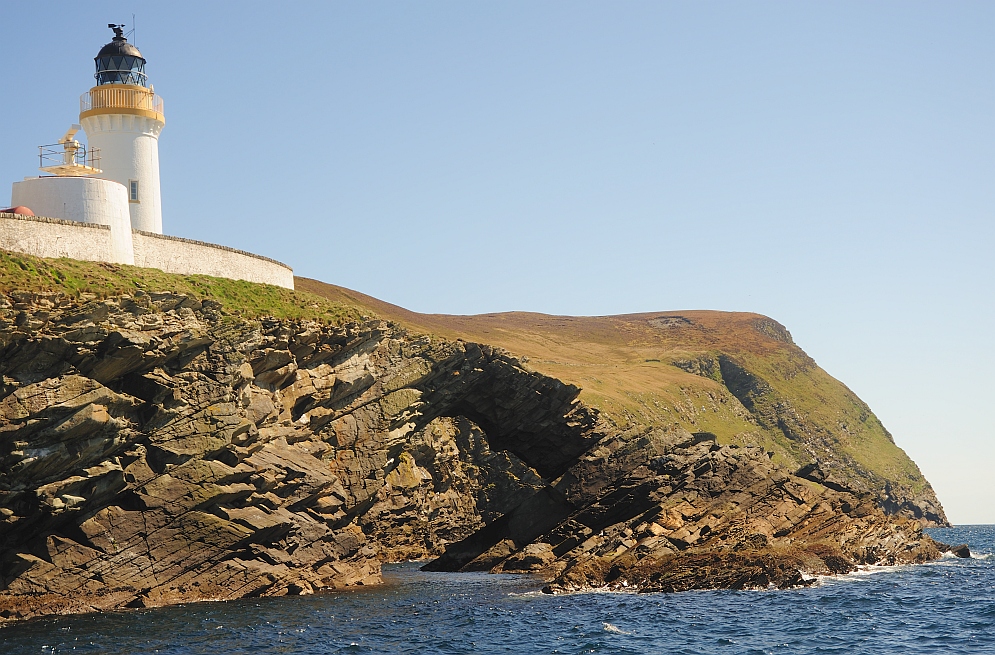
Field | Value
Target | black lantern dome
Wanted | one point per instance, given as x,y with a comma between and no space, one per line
119,62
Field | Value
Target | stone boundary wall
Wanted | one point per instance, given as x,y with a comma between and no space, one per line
186,256
55,237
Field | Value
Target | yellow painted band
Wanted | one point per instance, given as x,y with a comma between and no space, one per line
154,115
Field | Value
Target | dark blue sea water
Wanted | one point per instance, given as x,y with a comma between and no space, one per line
946,606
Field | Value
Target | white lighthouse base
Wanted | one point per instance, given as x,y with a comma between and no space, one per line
85,200
129,154
87,218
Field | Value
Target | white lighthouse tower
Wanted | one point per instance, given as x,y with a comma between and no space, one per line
122,117
101,203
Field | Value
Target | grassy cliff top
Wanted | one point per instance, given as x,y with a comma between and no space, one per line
24,273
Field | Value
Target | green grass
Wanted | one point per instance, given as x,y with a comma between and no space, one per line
827,403
79,279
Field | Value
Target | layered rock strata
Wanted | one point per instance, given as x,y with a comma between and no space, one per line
155,451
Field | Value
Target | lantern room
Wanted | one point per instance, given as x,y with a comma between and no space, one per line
119,62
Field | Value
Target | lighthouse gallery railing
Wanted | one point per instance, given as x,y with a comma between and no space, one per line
113,96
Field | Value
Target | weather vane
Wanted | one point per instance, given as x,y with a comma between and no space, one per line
118,30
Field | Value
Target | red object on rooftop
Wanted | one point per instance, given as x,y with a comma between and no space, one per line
20,209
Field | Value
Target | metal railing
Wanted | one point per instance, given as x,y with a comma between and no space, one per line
112,96
68,158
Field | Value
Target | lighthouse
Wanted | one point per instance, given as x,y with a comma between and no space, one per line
100,201
122,117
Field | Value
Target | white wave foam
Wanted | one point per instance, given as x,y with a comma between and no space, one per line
594,590
536,593
612,628
974,555
862,574
871,569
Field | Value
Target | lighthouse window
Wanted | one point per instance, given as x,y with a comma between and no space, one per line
120,70
133,190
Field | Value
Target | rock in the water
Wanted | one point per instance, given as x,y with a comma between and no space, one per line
961,551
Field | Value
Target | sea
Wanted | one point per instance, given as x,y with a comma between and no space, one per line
947,606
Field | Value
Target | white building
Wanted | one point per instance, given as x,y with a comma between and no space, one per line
115,183
122,118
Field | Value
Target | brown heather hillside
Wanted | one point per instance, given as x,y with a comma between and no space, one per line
736,375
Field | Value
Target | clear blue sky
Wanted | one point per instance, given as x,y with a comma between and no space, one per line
827,164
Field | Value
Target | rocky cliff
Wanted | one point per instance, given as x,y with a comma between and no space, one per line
738,376
168,447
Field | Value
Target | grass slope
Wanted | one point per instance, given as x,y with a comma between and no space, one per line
27,274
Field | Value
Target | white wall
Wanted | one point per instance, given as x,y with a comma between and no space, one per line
129,150
52,237
185,256
77,198
84,199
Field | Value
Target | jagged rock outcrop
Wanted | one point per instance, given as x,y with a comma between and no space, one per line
652,513
154,450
